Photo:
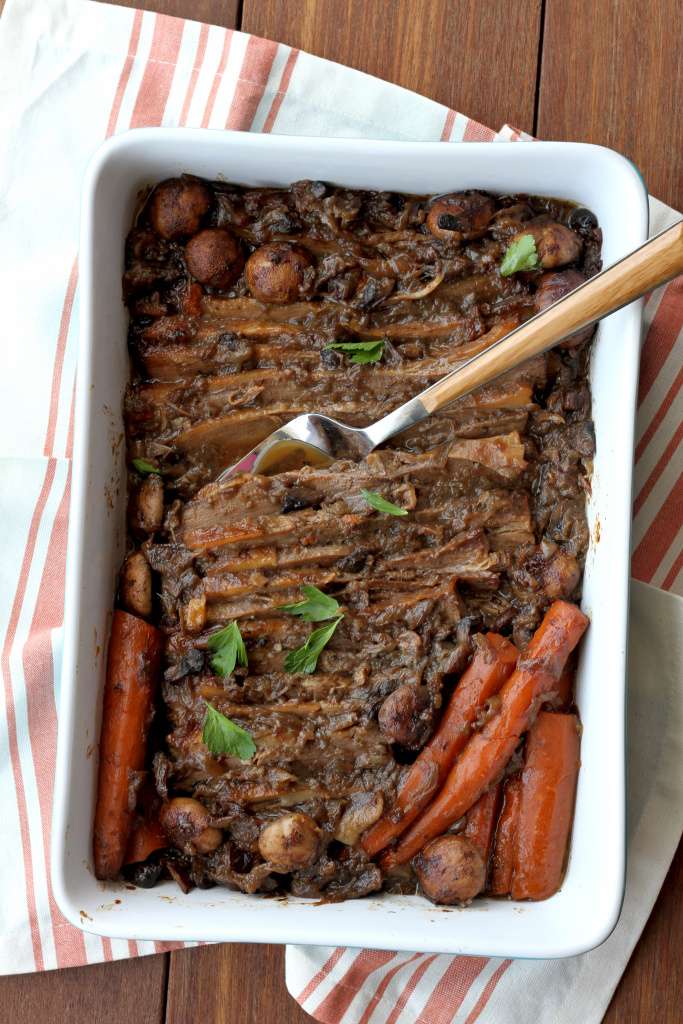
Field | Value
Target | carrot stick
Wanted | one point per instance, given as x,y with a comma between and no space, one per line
146,837
501,875
551,768
562,693
133,665
493,661
488,751
481,820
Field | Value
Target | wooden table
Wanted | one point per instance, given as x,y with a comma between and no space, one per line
602,71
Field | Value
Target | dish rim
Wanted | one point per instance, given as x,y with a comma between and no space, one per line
116,926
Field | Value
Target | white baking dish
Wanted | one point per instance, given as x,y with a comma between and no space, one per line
586,909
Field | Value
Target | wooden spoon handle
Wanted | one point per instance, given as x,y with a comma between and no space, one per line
654,263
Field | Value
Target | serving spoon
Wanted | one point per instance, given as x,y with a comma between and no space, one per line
315,439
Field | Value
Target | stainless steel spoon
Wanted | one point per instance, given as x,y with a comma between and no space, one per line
316,439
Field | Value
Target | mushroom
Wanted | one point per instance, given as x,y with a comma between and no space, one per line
215,257
291,842
556,244
136,585
146,506
406,716
277,272
178,207
187,823
364,811
450,870
560,575
555,286
460,217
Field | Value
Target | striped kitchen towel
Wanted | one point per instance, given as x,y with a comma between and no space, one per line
72,74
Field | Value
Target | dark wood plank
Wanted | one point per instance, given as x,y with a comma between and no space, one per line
231,984
478,56
215,12
651,988
125,990
612,74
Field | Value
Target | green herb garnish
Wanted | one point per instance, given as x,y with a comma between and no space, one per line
381,504
306,658
228,647
224,737
520,255
145,468
315,608
361,351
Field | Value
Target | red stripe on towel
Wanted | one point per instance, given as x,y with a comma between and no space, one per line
282,91
335,1005
666,325
222,64
125,75
382,987
448,126
198,62
448,995
488,992
251,84
58,365
653,547
159,71
10,636
315,981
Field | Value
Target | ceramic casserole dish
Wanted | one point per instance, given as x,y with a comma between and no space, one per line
587,907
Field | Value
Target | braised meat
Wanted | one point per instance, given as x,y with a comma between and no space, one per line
248,307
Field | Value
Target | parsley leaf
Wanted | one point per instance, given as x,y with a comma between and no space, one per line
381,504
315,608
145,468
228,647
224,737
361,351
306,658
520,255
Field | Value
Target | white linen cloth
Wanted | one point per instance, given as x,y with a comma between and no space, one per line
71,74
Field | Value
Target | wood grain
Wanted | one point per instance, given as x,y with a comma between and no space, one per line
477,56
216,12
130,991
231,984
651,989
611,73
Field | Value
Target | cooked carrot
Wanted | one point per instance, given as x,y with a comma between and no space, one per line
488,751
133,665
493,661
562,693
551,768
501,872
146,837
481,820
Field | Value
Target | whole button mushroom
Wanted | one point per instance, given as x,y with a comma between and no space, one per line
146,506
460,217
556,244
136,585
277,272
187,823
405,717
178,207
215,257
450,870
555,286
291,842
